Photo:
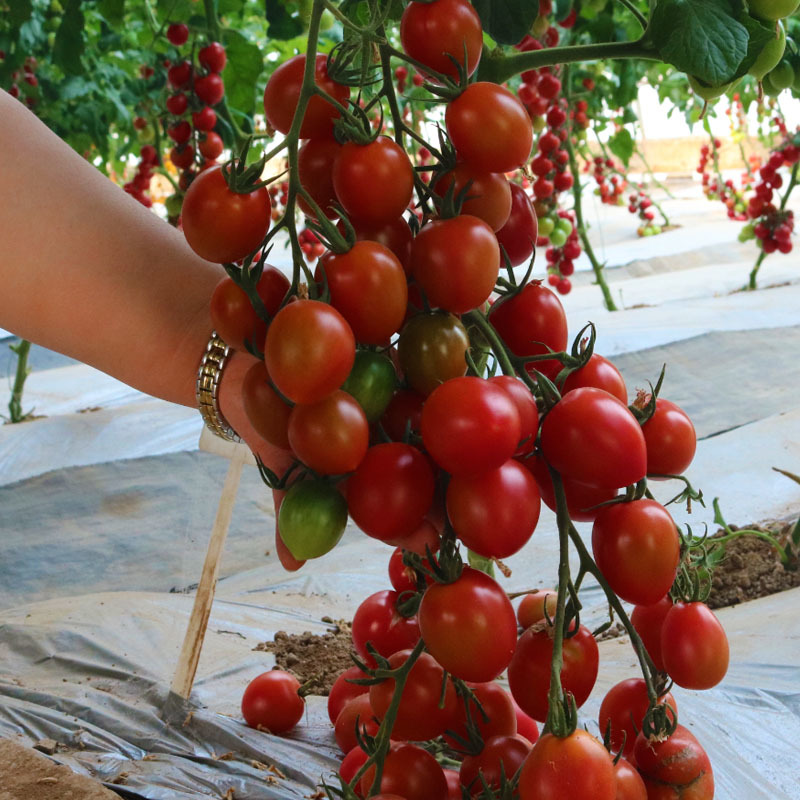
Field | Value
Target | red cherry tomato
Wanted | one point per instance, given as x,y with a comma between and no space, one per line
494,513
283,91
374,182
518,235
564,769
637,548
343,690
436,33
529,670
330,436
309,350
530,322
410,772
391,491
671,439
470,425
694,646
271,701
648,622
486,195
378,622
591,437
426,710
501,755
455,262
221,225
600,373
489,127
368,287
469,626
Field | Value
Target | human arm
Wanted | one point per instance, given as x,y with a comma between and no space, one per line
89,272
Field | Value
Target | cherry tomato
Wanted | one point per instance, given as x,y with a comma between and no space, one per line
455,262
410,772
564,769
531,321
357,711
532,607
490,129
623,708
372,382
233,315
391,491
470,426
526,407
221,225
582,499
526,725
432,349
591,437
529,670
518,235
495,717
315,164
404,578
404,412
680,762
265,410
352,763
368,287
343,690
486,195
494,513
330,436
271,701
630,785
396,235
312,519
648,622
283,91
309,350
600,373
374,182
637,548
671,439
469,626
436,33
378,622
694,646
426,709
501,755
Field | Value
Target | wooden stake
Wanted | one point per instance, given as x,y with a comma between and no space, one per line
198,622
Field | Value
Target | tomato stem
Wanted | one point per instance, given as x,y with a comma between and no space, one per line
21,349
499,68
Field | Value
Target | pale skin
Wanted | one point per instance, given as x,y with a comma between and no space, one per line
89,272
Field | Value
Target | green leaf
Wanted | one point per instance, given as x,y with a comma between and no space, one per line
76,87
69,46
19,11
176,10
281,24
699,37
628,88
621,145
507,21
112,10
242,71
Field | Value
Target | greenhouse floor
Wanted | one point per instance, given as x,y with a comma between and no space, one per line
103,535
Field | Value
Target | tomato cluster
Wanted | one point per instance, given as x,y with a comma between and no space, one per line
24,83
716,188
431,400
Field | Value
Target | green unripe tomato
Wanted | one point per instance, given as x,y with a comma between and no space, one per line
371,382
312,519
709,92
782,77
326,21
656,230
546,226
563,224
772,10
538,123
539,27
770,55
558,238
